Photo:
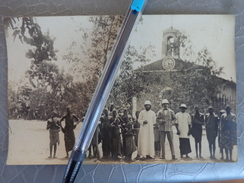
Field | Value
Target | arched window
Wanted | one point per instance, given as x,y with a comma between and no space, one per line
170,46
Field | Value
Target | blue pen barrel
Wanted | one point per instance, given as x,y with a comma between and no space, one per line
101,93
73,166
137,5
105,83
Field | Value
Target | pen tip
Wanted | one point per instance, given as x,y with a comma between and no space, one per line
71,171
73,166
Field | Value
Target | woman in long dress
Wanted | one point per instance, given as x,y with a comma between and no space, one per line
228,132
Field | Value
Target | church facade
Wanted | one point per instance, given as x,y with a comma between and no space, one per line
183,81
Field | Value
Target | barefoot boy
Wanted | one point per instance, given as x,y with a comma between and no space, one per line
54,128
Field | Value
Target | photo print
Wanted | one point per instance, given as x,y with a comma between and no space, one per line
173,101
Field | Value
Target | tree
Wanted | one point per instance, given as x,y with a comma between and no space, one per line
95,46
129,83
12,100
42,51
48,83
197,82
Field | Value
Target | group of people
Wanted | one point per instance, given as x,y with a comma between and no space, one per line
117,134
54,125
143,137
222,126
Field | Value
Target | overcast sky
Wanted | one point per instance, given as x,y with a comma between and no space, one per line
215,32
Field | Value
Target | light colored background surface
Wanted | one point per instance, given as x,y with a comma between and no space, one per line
121,173
29,145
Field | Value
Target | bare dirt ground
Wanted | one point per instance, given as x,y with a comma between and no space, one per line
29,145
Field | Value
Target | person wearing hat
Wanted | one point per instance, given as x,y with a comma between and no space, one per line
183,126
147,118
165,120
54,128
211,124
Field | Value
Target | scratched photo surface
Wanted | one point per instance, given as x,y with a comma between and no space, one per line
173,101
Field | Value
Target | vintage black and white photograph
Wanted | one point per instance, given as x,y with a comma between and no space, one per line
173,101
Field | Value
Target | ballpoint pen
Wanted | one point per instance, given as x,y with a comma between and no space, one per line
102,91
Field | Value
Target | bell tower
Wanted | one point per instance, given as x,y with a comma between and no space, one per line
170,45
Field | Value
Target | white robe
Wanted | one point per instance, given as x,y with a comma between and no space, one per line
146,133
183,120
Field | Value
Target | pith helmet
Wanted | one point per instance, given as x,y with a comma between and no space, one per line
183,106
147,102
165,101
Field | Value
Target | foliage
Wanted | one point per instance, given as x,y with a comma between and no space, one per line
46,82
42,49
196,83
50,89
129,83
95,46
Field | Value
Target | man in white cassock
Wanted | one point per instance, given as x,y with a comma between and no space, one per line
147,118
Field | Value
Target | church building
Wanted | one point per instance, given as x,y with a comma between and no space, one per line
182,81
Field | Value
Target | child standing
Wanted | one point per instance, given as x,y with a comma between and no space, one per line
54,128
129,141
